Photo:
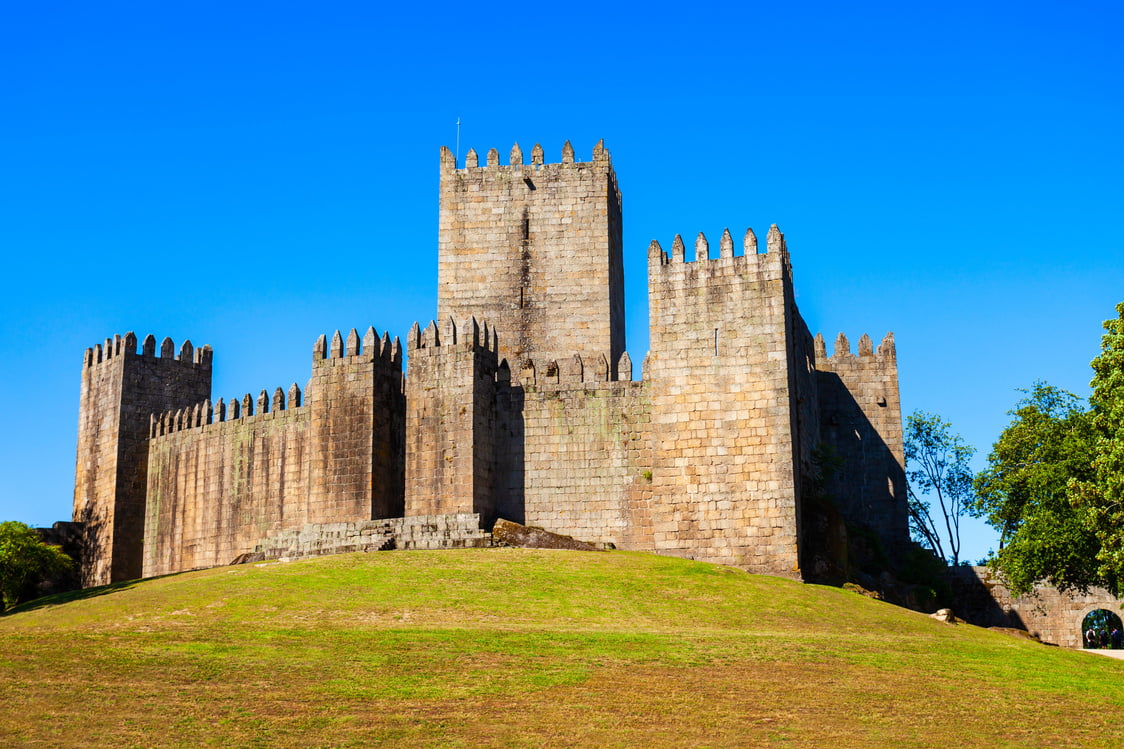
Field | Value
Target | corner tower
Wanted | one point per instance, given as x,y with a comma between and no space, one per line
121,390
728,380
536,250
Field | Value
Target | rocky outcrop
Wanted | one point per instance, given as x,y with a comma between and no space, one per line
507,533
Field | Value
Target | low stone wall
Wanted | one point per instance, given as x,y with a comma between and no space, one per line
418,532
1055,617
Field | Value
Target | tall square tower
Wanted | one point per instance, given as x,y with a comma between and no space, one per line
534,249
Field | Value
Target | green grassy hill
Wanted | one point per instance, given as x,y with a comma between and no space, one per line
514,647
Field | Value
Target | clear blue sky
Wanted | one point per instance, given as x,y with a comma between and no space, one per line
251,175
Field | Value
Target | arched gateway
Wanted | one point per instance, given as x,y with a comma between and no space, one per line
1052,615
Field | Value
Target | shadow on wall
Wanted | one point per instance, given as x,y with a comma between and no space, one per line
509,455
974,602
855,512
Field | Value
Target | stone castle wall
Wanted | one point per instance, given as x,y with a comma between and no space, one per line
215,489
586,455
357,431
1048,613
450,395
520,404
221,478
861,420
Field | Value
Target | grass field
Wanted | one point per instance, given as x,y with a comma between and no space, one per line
515,647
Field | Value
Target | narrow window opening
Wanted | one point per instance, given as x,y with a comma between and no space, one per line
716,341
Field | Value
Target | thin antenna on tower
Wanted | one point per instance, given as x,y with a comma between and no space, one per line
458,140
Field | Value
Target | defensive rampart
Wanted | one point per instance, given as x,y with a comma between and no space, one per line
121,389
580,451
221,478
861,422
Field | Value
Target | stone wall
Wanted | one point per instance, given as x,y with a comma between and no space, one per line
220,478
357,430
121,389
420,532
215,489
536,250
1053,616
861,421
724,484
451,400
586,455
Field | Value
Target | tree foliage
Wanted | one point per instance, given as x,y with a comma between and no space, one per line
937,464
1102,495
1024,493
24,561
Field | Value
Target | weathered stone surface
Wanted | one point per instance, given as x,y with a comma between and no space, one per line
944,615
519,404
507,533
536,250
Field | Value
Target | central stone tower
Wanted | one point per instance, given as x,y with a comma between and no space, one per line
536,250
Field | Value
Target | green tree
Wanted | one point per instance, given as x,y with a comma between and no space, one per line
1023,493
936,462
24,561
1102,496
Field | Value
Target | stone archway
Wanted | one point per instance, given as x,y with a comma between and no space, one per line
1103,624
1052,615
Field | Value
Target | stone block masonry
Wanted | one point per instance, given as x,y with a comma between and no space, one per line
536,250
121,389
1051,615
520,404
450,421
586,458
724,484
220,478
862,422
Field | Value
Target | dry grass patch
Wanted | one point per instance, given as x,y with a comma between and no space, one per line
526,648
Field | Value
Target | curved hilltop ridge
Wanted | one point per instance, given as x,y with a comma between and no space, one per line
501,647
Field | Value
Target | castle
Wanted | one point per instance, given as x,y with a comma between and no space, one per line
522,404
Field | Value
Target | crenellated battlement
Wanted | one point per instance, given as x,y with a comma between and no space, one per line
471,335
776,250
236,409
516,160
119,346
842,348
576,370
371,347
